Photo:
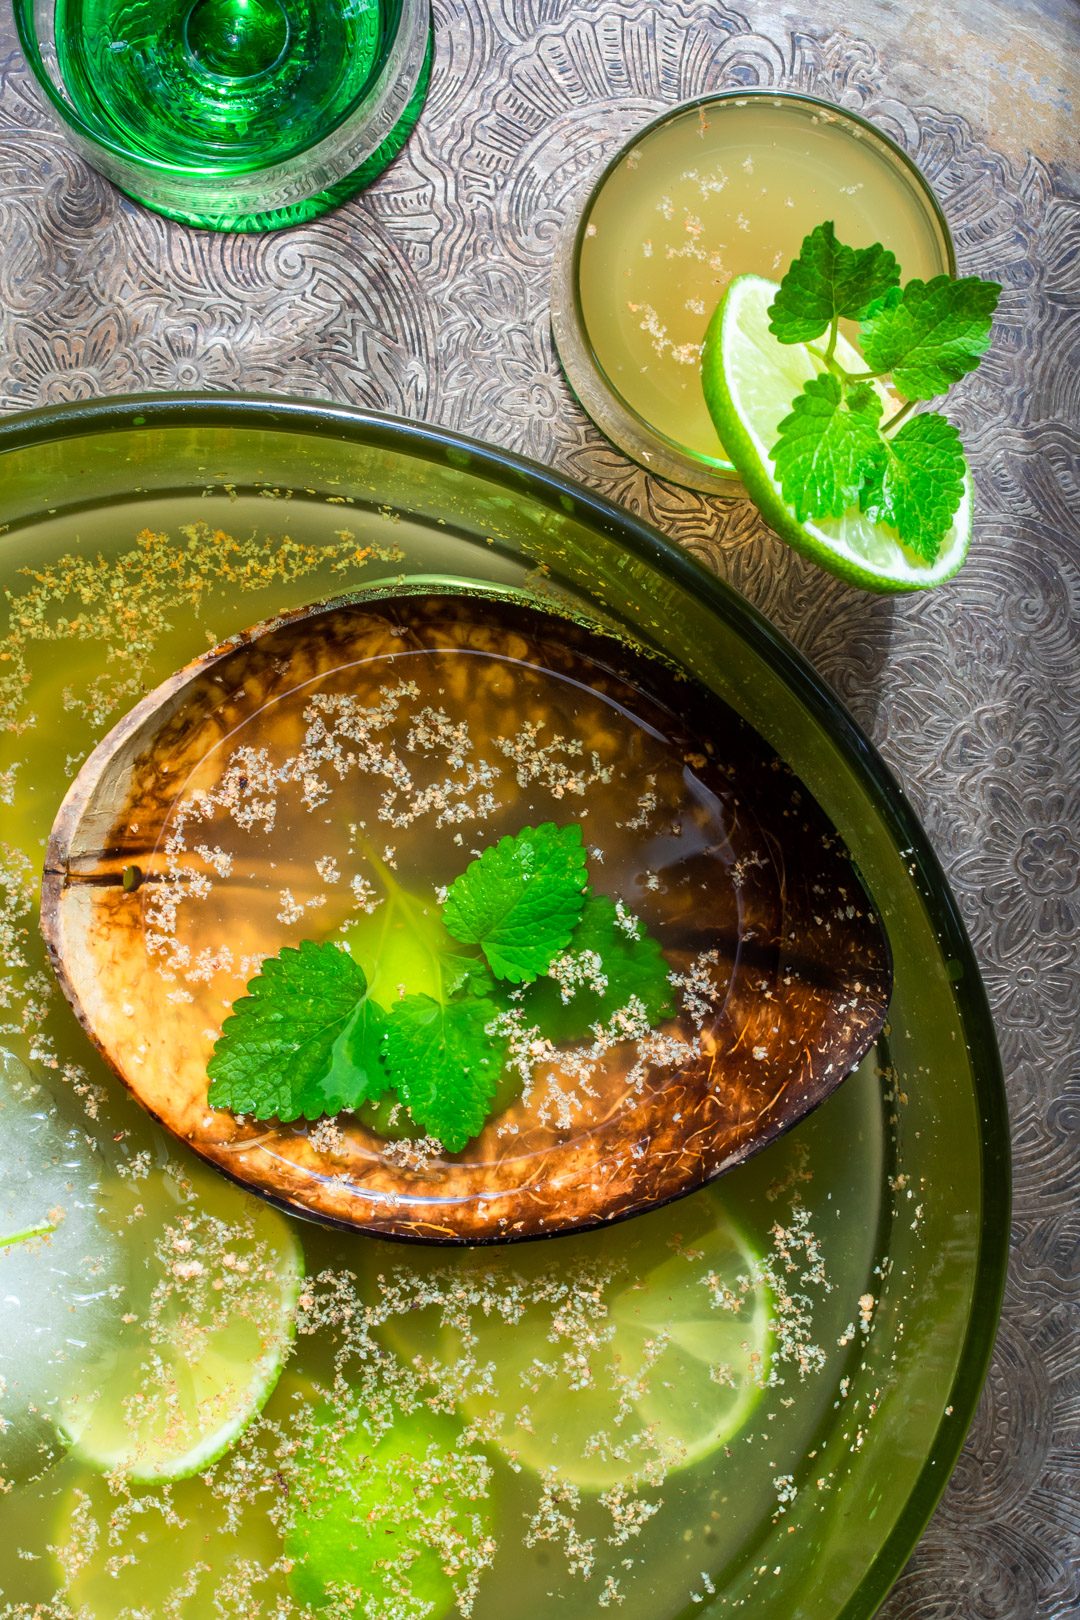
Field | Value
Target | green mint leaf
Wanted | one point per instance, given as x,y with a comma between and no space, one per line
827,448
632,967
888,301
935,333
918,483
466,975
444,1065
864,399
357,1071
827,280
286,1040
403,946
520,900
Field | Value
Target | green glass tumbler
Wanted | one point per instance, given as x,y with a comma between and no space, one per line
236,115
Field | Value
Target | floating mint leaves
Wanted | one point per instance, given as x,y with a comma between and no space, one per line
309,1039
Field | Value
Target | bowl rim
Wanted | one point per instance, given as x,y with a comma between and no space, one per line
53,423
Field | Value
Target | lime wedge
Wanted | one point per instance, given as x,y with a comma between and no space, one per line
612,1358
202,1329
750,381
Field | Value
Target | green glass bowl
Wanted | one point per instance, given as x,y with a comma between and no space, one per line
462,511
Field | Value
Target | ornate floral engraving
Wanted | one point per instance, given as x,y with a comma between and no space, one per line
427,296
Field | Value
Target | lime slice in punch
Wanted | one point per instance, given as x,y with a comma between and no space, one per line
200,1338
675,1379
675,1358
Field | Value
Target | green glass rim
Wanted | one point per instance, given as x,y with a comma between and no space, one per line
71,119
267,414
718,473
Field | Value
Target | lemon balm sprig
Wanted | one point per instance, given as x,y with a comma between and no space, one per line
827,438
837,447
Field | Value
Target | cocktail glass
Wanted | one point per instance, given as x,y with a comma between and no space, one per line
716,187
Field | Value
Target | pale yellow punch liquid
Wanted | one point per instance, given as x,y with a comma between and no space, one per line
715,191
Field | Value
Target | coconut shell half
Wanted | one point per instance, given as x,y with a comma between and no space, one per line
753,881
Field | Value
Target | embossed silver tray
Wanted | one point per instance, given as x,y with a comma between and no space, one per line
460,512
